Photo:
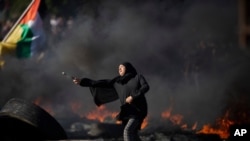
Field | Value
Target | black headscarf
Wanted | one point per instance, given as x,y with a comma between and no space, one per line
104,95
130,72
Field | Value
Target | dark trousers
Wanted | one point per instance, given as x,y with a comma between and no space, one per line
130,132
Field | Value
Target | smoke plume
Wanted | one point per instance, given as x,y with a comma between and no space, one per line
187,50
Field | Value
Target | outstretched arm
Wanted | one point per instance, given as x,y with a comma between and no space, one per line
101,90
86,82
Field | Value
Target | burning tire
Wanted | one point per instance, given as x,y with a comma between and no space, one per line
20,119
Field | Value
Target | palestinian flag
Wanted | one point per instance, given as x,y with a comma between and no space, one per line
27,37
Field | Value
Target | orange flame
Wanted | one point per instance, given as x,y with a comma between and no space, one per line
47,107
100,114
166,114
194,126
76,107
221,127
144,123
175,119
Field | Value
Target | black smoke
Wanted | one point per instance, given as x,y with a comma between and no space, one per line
187,50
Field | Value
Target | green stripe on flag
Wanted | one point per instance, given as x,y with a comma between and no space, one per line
23,49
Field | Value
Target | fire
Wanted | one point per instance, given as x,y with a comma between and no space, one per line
175,119
144,123
221,127
45,106
194,126
76,107
167,113
100,114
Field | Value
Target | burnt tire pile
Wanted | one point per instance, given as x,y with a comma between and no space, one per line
22,120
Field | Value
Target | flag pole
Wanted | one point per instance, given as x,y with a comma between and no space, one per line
23,14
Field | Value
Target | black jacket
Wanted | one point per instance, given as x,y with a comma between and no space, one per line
108,90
